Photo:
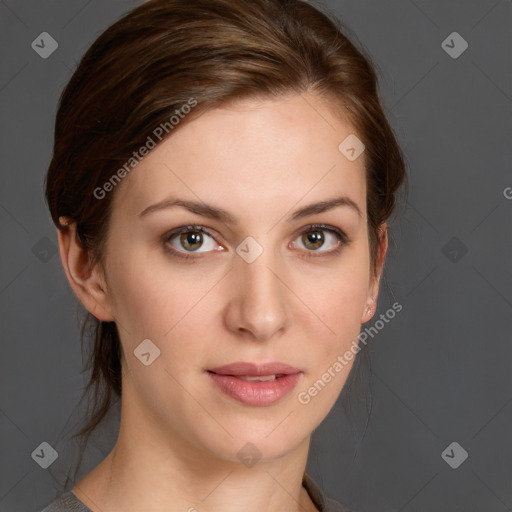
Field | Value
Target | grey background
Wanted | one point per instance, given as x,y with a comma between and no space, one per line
441,369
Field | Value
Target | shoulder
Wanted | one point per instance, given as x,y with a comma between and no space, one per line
322,503
66,502
335,506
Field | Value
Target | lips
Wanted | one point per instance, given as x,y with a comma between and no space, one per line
254,384
255,370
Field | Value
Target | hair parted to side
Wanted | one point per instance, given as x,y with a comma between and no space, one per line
152,62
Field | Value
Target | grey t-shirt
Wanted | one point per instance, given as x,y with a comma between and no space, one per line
68,502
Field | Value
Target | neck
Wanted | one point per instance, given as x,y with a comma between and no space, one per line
147,470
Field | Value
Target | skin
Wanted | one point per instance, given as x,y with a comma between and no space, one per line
179,434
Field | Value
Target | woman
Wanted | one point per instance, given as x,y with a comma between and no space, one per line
221,181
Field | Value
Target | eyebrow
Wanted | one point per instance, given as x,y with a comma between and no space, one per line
222,215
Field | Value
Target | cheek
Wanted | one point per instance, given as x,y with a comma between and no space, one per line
340,304
144,300
333,352
152,300
341,313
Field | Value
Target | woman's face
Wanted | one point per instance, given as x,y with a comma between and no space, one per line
251,281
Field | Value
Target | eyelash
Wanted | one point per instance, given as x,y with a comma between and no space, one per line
342,237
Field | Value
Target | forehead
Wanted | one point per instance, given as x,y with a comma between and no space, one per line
273,151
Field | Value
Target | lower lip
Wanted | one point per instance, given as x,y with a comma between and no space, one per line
256,392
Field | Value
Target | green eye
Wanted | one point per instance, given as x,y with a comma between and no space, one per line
317,236
191,239
185,241
313,239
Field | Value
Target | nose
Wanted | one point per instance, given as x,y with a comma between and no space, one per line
259,304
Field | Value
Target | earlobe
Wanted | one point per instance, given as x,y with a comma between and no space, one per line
368,313
87,282
373,292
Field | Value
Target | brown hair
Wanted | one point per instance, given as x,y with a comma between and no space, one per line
152,62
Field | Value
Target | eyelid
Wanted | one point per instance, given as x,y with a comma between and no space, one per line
324,227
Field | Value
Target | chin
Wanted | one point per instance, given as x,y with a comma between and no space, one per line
264,440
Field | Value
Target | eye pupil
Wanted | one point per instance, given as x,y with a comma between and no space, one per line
190,239
313,239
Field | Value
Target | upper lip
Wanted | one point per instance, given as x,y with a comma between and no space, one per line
256,370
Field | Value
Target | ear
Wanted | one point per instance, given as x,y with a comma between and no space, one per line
87,282
373,289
